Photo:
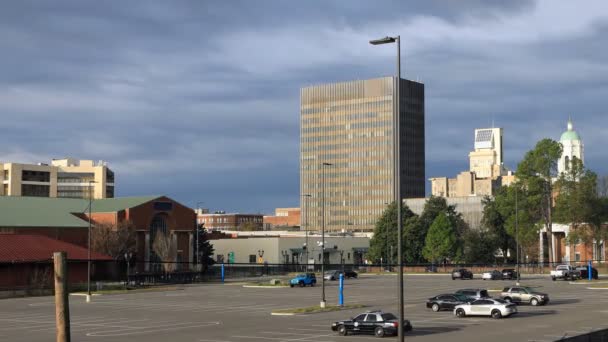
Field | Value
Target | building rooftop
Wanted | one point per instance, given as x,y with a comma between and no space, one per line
17,211
28,248
570,134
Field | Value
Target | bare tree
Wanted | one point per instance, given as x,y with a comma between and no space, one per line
165,249
114,239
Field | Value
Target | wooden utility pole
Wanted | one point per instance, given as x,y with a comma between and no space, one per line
62,306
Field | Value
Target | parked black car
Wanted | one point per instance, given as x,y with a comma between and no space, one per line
509,273
462,273
585,272
446,301
350,274
335,275
377,323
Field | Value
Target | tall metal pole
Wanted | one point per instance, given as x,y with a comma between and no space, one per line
323,236
89,244
398,187
517,235
397,167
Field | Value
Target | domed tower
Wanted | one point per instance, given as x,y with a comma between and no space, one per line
573,147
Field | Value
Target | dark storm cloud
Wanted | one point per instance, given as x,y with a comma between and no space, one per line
199,99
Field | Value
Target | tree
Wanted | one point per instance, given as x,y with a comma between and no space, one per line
114,239
441,242
536,172
205,248
385,234
478,247
249,227
432,208
578,204
165,249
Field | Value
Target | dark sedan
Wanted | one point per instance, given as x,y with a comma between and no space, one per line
585,272
446,301
462,273
509,273
376,323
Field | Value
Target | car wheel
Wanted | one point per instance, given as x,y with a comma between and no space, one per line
313,283
379,332
302,284
508,300
290,285
534,302
496,314
435,307
460,313
342,331
553,278
453,278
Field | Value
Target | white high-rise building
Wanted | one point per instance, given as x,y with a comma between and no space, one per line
572,147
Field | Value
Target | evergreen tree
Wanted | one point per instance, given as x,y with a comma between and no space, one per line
441,242
385,234
205,248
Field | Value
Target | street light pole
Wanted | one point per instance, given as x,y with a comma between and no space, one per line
397,168
517,235
306,197
323,165
89,244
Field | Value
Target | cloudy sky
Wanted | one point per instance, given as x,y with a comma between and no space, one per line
199,99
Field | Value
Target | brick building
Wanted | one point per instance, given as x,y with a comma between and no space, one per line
68,220
231,221
283,218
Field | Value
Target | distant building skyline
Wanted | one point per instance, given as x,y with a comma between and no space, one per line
349,125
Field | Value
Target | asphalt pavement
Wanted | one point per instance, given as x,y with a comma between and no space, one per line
232,313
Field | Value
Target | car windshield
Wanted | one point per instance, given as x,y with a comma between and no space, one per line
301,276
500,301
388,316
529,289
461,298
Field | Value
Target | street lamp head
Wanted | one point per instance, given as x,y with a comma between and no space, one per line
385,40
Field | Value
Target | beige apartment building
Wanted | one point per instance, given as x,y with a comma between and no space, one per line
486,172
347,152
66,178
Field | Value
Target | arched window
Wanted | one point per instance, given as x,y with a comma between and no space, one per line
158,226
567,163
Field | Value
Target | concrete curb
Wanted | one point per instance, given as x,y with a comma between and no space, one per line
283,314
84,294
265,287
597,288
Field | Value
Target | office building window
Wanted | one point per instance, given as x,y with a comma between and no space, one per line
6,174
35,190
35,176
252,258
109,191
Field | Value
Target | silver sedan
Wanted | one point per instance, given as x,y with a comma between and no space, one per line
495,308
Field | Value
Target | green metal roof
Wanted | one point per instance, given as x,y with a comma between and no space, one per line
58,212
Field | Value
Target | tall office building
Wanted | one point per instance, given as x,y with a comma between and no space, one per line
350,125
68,178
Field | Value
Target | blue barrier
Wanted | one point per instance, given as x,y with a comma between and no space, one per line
223,273
341,290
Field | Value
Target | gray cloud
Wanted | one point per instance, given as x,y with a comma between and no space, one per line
199,99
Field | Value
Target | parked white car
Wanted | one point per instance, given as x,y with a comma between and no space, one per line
496,308
491,275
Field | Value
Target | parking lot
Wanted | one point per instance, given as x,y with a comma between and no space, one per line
231,313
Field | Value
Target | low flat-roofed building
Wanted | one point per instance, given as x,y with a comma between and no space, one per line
291,249
231,221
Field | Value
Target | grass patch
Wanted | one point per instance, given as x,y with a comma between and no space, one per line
599,286
318,309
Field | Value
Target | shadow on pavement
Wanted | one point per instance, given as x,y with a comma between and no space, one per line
564,301
533,313
423,331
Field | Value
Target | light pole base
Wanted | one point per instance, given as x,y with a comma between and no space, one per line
322,304
88,298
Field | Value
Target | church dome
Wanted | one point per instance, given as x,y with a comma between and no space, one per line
570,134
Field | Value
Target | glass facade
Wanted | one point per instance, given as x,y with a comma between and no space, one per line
350,125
